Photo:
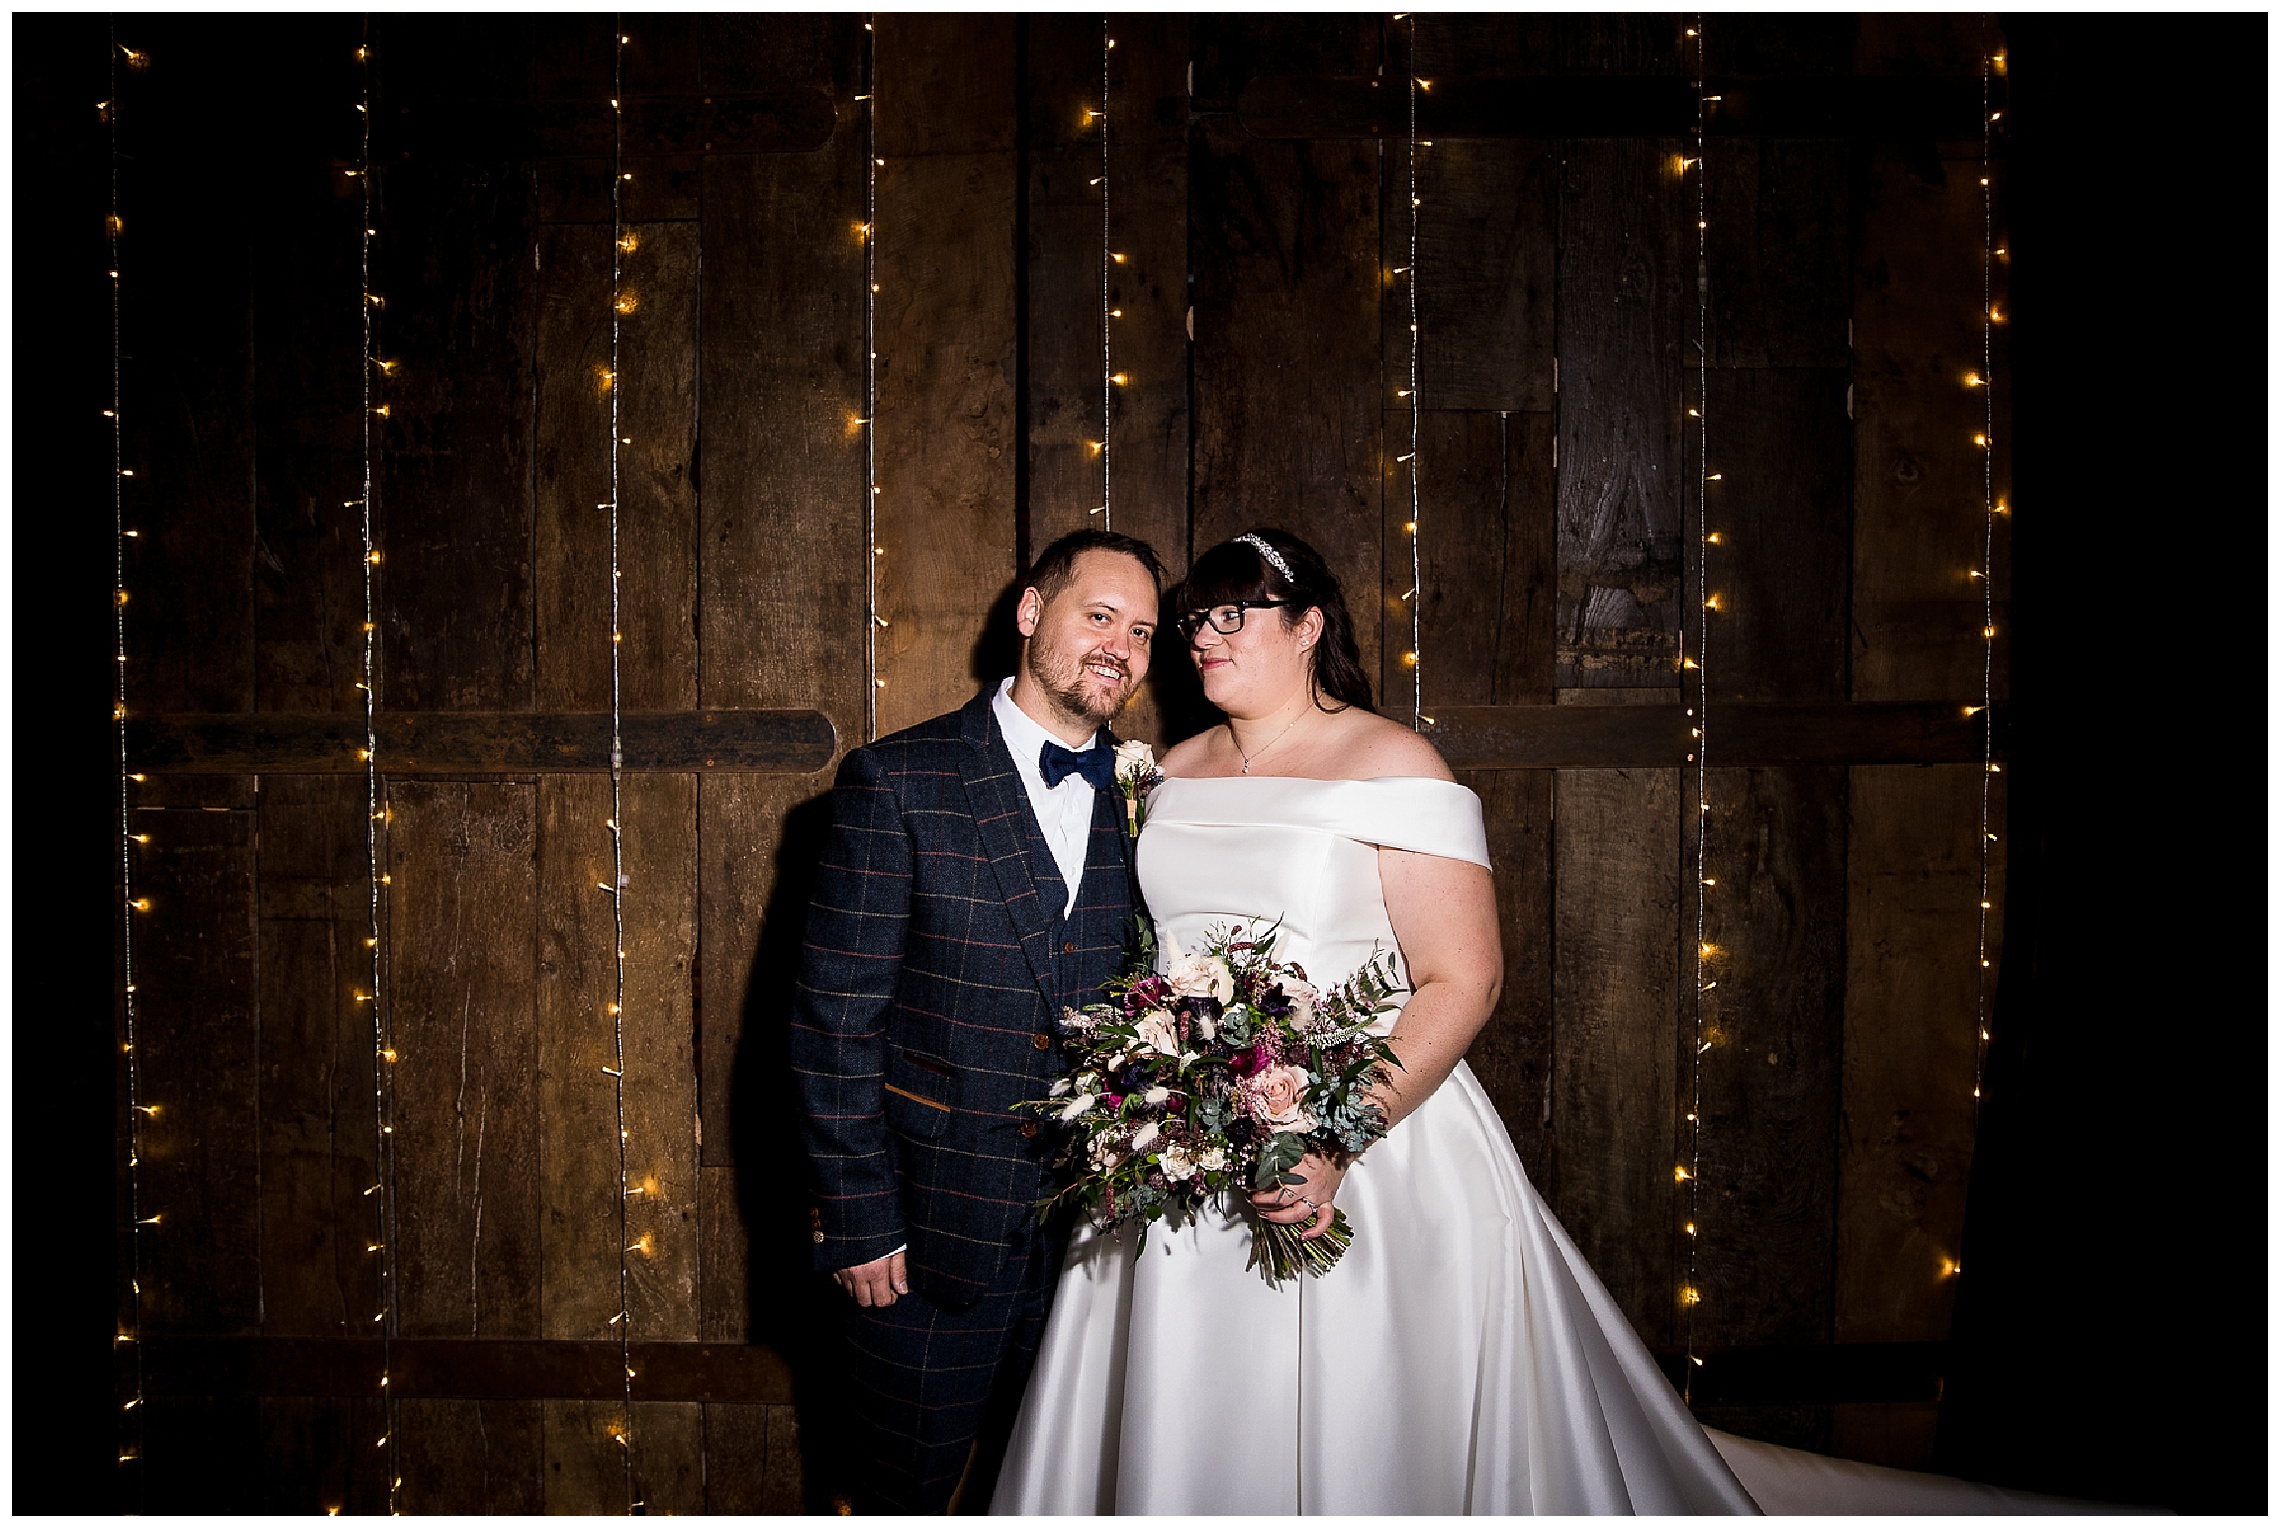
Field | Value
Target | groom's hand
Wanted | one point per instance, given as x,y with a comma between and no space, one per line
877,1282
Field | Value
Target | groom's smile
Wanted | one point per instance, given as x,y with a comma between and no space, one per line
1088,644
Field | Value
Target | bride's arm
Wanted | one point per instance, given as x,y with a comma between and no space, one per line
1444,916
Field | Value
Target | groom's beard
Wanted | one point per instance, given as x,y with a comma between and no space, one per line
1064,677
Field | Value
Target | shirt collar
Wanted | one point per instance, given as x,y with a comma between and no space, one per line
1024,738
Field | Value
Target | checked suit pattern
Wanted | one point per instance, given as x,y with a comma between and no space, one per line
936,962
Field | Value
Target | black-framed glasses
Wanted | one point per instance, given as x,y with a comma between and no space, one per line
1225,619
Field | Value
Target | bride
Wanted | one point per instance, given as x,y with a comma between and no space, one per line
1461,1357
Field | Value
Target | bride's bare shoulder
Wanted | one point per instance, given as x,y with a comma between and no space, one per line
1371,746
1190,756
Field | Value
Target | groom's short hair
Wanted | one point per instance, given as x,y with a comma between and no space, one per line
1050,573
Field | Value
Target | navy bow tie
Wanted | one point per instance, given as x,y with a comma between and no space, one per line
1097,764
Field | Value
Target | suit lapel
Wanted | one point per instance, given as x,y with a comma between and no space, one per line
1000,804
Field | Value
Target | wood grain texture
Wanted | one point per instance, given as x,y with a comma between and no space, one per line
461,1368
453,264
946,322
781,570
1780,219
1488,551
657,421
577,1041
1615,980
306,382
462,862
469,1456
586,1461
177,750
1918,491
1778,439
759,842
1911,983
1513,1056
1486,270
1288,426
316,1105
1625,309
199,1048
1770,1080
752,1456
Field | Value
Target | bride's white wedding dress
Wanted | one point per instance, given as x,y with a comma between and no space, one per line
1462,1357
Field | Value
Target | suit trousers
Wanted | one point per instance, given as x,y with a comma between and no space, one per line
929,1379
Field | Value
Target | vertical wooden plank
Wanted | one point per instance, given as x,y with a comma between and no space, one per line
1917,609
781,400
1780,252
1614,1094
945,263
1288,425
307,385
316,1109
1489,556
761,838
1060,89
1513,1055
1147,291
199,1053
783,571
1910,998
1489,575
1485,258
470,1456
453,267
1770,1078
657,421
462,861
1626,312
1913,863
578,1114
1780,441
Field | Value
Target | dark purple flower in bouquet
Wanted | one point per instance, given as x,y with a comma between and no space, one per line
1244,1062
1113,1100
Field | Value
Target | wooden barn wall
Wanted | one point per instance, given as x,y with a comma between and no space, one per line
1261,173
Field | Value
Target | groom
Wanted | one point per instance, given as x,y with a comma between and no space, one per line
977,879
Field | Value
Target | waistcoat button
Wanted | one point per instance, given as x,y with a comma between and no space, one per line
1029,1129
1042,1042
1068,947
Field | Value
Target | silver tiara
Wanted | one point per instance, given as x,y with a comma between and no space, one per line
1271,555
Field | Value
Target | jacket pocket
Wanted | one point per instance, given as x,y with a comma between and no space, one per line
918,1101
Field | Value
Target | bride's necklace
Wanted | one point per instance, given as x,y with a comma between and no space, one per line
1278,737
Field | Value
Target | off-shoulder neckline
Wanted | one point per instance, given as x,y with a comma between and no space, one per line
1325,780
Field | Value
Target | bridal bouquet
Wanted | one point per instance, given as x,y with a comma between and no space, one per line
1212,1079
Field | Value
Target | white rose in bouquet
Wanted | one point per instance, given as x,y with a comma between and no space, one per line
1159,1031
1201,976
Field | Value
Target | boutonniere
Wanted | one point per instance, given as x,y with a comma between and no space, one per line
1136,776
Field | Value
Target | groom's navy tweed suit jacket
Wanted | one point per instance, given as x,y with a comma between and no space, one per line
936,962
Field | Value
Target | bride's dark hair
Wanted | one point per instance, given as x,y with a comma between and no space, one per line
1235,570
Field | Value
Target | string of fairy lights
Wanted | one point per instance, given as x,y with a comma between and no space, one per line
622,243
867,231
1690,1174
130,1327
1415,598
1107,258
1992,61
383,1190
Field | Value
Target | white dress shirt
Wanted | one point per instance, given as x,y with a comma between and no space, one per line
1064,811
